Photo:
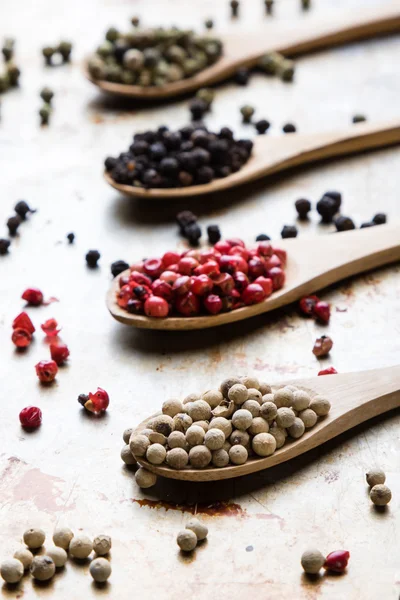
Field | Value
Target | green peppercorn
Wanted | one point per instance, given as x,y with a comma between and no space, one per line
8,49
234,8
46,95
44,114
359,118
268,6
305,4
174,73
105,49
128,78
286,70
133,60
112,34
247,112
13,73
4,82
145,78
176,54
209,24
48,52
207,95
270,63
96,67
135,21
65,49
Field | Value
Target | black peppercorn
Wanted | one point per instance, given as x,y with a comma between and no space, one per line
262,237
303,207
289,231
289,128
326,207
110,163
198,108
135,306
4,246
185,178
269,4
169,166
367,224
192,233
22,208
234,8
213,233
157,151
92,258
82,399
379,219
205,174
135,21
185,218
344,223
336,196
118,267
13,223
359,119
262,126
242,76
71,237
209,24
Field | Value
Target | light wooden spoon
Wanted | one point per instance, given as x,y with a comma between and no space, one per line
312,264
275,154
245,49
354,398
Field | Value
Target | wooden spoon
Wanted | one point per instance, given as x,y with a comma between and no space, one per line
245,49
274,154
313,263
354,398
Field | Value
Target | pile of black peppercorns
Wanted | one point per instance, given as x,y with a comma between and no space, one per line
192,155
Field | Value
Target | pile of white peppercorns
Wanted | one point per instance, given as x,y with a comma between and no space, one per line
194,532
43,567
245,418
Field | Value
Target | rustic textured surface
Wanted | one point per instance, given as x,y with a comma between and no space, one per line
70,471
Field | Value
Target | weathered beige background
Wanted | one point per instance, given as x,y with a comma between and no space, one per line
70,471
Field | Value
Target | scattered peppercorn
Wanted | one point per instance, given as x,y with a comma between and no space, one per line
327,208
359,118
46,370
50,328
118,267
192,233
289,128
269,4
242,76
343,223
92,258
207,95
303,207
322,311
82,399
367,224
380,494
198,108
185,218
65,49
337,561
213,233
13,223
289,231
59,353
30,417
209,24
8,49
247,112
44,114
270,63
33,296
135,21
70,238
312,561
305,4
100,569
22,208
322,346
336,197
21,338
262,237
12,570
262,126
48,52
4,246
375,477
328,371
234,4
46,95
95,403
379,219
286,70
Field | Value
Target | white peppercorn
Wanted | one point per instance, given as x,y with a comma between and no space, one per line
214,439
157,438
138,444
146,432
177,458
58,555
172,407
186,540
312,561
81,546
25,556
100,569
221,423
279,434
320,405
177,439
238,393
285,417
252,406
198,528
34,538
162,424
11,570
265,388
200,411
238,454
259,425
380,495
239,437
297,429
145,478
254,394
227,384
127,455
156,454
267,398
268,411
309,417
242,419
102,544
203,424
195,435
263,444
212,397
182,422
375,477
199,457
225,409
191,398
42,568
293,388
127,434
133,59
220,458
301,400
62,537
283,397
250,382
227,445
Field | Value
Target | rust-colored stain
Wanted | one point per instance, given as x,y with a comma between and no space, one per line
215,509
97,119
259,365
270,516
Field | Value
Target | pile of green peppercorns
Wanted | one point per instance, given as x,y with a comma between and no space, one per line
153,56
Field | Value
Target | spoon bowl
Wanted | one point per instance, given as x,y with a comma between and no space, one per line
354,398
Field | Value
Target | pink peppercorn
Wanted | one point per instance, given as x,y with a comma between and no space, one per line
278,277
169,277
170,258
140,278
322,312
33,296
328,371
97,402
21,338
213,304
156,307
153,267
46,370
222,247
266,285
162,288
188,304
201,285
182,285
187,265
124,295
253,294
210,268
337,561
23,321
307,304
322,346
235,242
256,267
30,417
264,249
241,280
272,261
59,353
223,283
281,254
50,328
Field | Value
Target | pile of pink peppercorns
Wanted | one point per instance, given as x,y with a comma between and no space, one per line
219,279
